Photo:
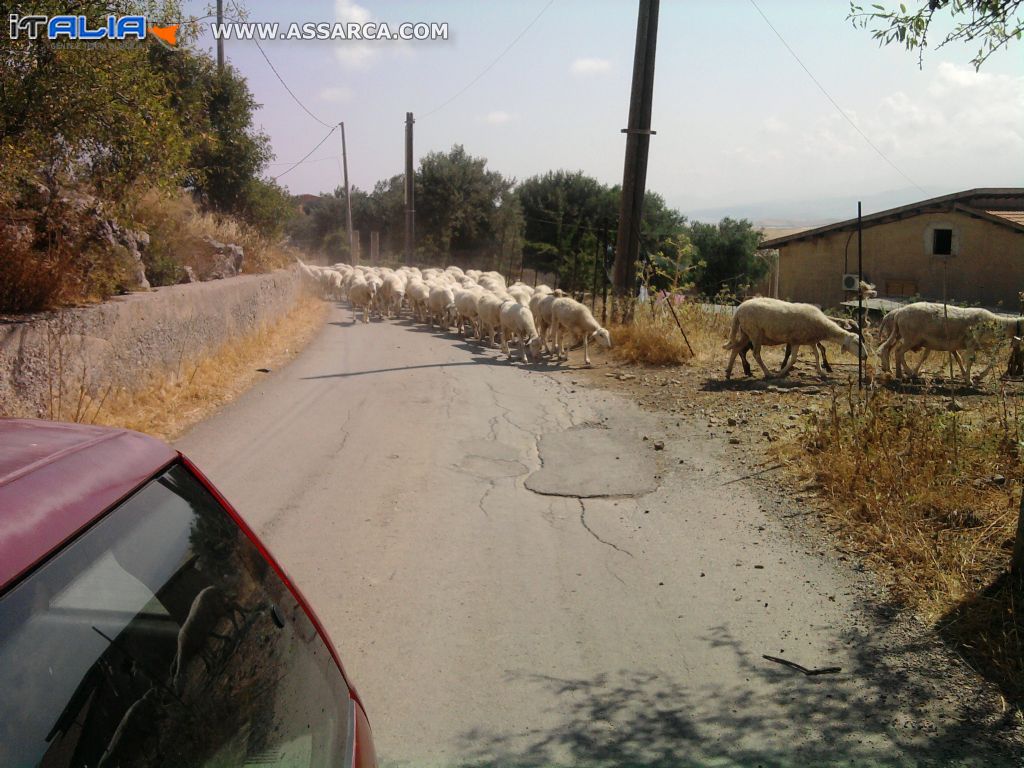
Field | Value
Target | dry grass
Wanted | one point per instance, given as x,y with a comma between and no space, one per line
169,402
178,227
654,338
928,497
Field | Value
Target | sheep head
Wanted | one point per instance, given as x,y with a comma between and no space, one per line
534,347
852,344
602,337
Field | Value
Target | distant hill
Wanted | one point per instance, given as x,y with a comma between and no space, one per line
804,214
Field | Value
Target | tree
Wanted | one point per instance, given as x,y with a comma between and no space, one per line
560,209
456,199
73,113
992,22
728,250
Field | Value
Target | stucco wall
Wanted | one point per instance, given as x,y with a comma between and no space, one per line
988,269
119,341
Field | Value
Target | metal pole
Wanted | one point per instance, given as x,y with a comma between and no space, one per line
220,38
353,257
638,139
597,266
410,193
860,298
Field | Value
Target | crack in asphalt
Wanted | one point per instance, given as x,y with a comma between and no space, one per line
583,522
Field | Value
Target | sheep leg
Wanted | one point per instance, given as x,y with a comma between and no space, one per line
920,363
504,343
792,359
522,347
746,363
824,360
817,362
586,353
757,356
899,350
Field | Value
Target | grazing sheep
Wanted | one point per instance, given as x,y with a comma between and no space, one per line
521,294
392,292
846,323
540,305
441,304
517,325
570,316
418,293
488,308
764,321
361,294
932,326
466,316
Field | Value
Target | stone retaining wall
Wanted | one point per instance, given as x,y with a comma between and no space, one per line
120,341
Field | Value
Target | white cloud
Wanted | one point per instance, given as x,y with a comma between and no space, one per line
355,53
497,117
341,94
961,129
590,66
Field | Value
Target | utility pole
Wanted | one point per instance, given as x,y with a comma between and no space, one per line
220,38
353,257
860,297
634,174
410,193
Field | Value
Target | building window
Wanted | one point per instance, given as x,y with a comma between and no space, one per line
942,242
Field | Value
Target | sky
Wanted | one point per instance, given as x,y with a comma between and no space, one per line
742,129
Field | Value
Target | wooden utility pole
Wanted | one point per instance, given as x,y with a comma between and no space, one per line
353,257
220,38
634,173
410,193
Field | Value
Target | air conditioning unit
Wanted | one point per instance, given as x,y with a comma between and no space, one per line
851,283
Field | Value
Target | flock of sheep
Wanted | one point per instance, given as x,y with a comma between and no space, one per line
538,320
541,321
921,326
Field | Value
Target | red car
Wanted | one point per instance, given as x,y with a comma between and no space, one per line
142,623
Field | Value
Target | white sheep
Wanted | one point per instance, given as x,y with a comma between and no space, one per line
763,321
517,325
961,331
417,294
466,316
441,304
488,308
361,294
540,305
569,316
392,292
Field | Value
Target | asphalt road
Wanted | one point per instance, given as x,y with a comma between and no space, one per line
515,577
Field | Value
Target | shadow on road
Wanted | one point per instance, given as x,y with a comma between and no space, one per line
778,718
987,629
397,369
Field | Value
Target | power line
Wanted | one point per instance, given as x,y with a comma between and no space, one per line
303,162
490,66
828,96
290,92
274,69
314,149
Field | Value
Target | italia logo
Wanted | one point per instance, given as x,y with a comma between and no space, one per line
78,28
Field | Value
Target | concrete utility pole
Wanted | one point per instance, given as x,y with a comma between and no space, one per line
410,193
220,40
634,173
353,256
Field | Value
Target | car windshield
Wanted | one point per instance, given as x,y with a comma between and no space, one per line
161,637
